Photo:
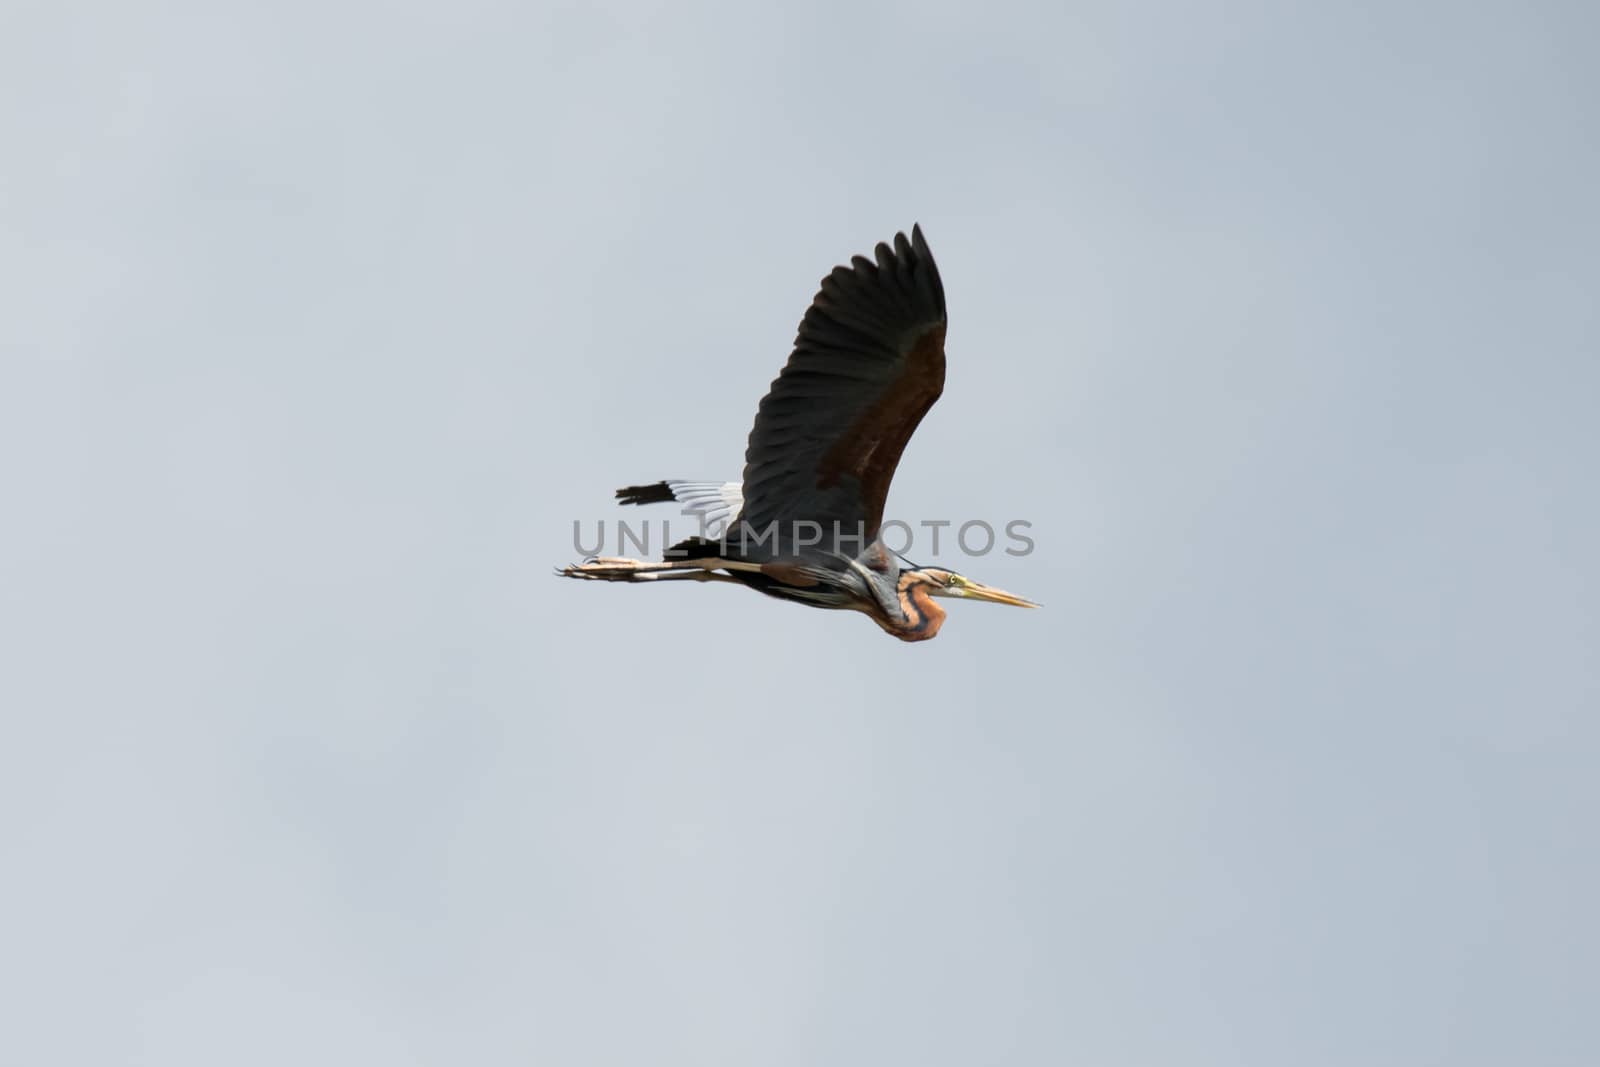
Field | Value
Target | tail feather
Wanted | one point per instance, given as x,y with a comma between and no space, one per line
693,548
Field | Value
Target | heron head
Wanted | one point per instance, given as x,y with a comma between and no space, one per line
949,583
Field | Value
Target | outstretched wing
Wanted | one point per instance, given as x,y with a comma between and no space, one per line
867,365
715,504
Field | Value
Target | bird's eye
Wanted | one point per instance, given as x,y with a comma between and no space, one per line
953,581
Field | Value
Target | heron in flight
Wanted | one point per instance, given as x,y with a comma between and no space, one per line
867,365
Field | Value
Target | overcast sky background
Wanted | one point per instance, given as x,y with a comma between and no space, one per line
323,322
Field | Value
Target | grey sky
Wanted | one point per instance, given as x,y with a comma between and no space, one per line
323,323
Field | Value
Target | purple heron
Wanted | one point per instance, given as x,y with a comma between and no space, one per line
867,365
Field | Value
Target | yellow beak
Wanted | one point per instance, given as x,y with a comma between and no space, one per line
973,591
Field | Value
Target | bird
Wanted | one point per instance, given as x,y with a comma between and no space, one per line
805,523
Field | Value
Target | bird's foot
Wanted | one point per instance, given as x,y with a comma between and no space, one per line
608,569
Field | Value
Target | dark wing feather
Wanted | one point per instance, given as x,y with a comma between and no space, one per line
867,365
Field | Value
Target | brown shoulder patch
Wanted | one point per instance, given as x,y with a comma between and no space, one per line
870,447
